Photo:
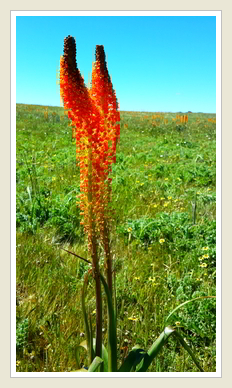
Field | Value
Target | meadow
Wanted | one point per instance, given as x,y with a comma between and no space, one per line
163,239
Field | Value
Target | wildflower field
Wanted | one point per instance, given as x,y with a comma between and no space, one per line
163,238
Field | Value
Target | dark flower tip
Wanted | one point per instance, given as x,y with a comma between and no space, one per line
70,51
100,54
101,58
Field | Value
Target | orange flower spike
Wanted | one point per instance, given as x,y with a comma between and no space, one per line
81,111
104,97
73,90
96,118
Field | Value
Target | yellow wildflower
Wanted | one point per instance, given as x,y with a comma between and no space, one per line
133,319
203,265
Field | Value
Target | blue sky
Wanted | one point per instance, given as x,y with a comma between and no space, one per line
157,63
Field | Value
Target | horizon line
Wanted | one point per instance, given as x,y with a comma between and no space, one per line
141,111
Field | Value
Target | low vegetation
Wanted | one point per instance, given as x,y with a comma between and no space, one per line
163,239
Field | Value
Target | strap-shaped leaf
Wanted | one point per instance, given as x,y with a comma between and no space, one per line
186,347
188,301
92,350
154,349
132,360
157,346
112,333
87,327
104,355
83,344
95,364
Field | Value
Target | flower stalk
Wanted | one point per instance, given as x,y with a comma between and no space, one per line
95,117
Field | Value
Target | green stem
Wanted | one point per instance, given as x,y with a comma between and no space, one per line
112,332
95,260
96,274
88,328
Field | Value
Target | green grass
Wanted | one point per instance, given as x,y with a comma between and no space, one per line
163,170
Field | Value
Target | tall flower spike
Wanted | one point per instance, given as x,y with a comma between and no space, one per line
86,117
104,97
94,113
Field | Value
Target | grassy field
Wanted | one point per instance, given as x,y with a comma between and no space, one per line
163,238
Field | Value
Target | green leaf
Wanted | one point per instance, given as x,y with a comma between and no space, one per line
104,352
92,351
155,349
95,364
132,360
88,329
188,301
186,347
105,358
112,333
77,352
104,355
